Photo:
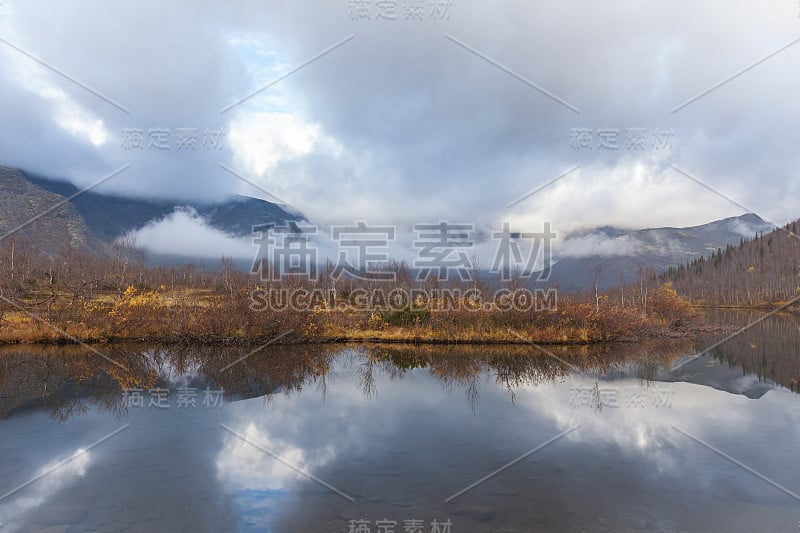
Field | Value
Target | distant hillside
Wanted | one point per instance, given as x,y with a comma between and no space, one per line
22,201
110,217
761,270
92,220
633,251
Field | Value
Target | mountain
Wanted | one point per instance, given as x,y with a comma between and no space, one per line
110,217
763,270
39,217
91,219
626,252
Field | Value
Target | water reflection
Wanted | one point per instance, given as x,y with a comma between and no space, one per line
769,350
401,428
49,479
68,381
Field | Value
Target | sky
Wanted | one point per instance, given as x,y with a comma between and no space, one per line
454,112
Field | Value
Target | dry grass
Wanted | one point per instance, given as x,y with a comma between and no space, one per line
205,316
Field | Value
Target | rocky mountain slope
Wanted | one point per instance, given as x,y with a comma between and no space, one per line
92,220
39,217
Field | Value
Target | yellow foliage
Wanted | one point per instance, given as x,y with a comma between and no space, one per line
134,301
669,305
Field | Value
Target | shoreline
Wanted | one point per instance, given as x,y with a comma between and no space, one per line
788,308
352,339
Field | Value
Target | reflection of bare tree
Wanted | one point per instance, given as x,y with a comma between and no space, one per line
323,386
460,366
647,368
597,399
366,379
69,380
473,394
516,371
769,349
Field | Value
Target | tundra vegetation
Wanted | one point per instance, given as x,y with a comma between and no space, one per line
116,297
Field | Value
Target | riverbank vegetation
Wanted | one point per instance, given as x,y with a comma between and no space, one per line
75,296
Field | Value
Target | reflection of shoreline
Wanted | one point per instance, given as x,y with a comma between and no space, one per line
66,380
768,349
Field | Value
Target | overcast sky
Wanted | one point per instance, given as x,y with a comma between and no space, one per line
402,123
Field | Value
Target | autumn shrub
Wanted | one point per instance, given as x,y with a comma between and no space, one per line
406,316
617,322
675,310
138,313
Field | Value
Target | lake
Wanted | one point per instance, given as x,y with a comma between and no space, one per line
649,437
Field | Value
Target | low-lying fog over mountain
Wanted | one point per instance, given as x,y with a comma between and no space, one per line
177,231
619,252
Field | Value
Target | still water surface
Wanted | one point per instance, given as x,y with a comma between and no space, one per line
648,437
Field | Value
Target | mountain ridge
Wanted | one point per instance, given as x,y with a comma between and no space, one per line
764,270
97,219
656,249
91,220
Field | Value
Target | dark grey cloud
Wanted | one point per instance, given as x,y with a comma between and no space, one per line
402,123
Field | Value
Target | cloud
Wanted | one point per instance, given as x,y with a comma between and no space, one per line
598,244
53,477
745,229
185,233
242,466
401,124
262,140
336,435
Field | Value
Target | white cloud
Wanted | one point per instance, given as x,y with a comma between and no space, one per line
185,233
630,194
241,466
67,113
52,478
598,244
262,140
